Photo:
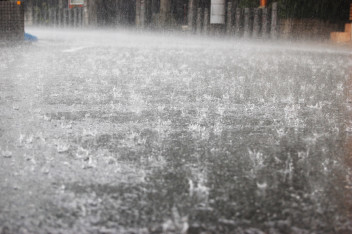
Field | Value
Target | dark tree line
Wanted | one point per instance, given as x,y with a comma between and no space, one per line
332,10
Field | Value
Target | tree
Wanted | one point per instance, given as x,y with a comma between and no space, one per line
332,10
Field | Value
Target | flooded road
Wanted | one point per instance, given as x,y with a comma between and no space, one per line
124,132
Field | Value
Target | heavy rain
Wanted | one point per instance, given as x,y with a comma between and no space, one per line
118,129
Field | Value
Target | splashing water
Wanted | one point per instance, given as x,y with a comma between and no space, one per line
124,132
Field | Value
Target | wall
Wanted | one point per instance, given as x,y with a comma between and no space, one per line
11,20
313,29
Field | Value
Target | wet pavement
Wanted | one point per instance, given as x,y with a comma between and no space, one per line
114,131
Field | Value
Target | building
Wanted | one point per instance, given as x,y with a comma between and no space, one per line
11,20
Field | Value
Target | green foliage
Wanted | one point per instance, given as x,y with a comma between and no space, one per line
323,9
248,3
333,10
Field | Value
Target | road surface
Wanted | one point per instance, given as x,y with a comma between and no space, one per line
115,131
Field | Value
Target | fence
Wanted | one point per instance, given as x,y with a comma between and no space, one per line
239,22
60,17
11,20
246,23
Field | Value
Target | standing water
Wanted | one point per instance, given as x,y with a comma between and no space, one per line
124,132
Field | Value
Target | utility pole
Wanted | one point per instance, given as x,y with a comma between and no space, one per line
138,13
206,21
256,26
190,14
199,21
238,22
164,11
142,14
229,18
264,22
29,13
85,13
246,32
92,12
59,14
274,21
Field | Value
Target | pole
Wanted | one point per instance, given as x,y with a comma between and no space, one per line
80,17
92,12
35,17
75,17
199,20
29,13
206,21
64,16
274,21
54,16
69,18
264,22
229,18
118,12
59,14
154,7
59,17
238,22
246,22
142,14
190,14
138,13
85,13
50,16
164,11
256,26
46,17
